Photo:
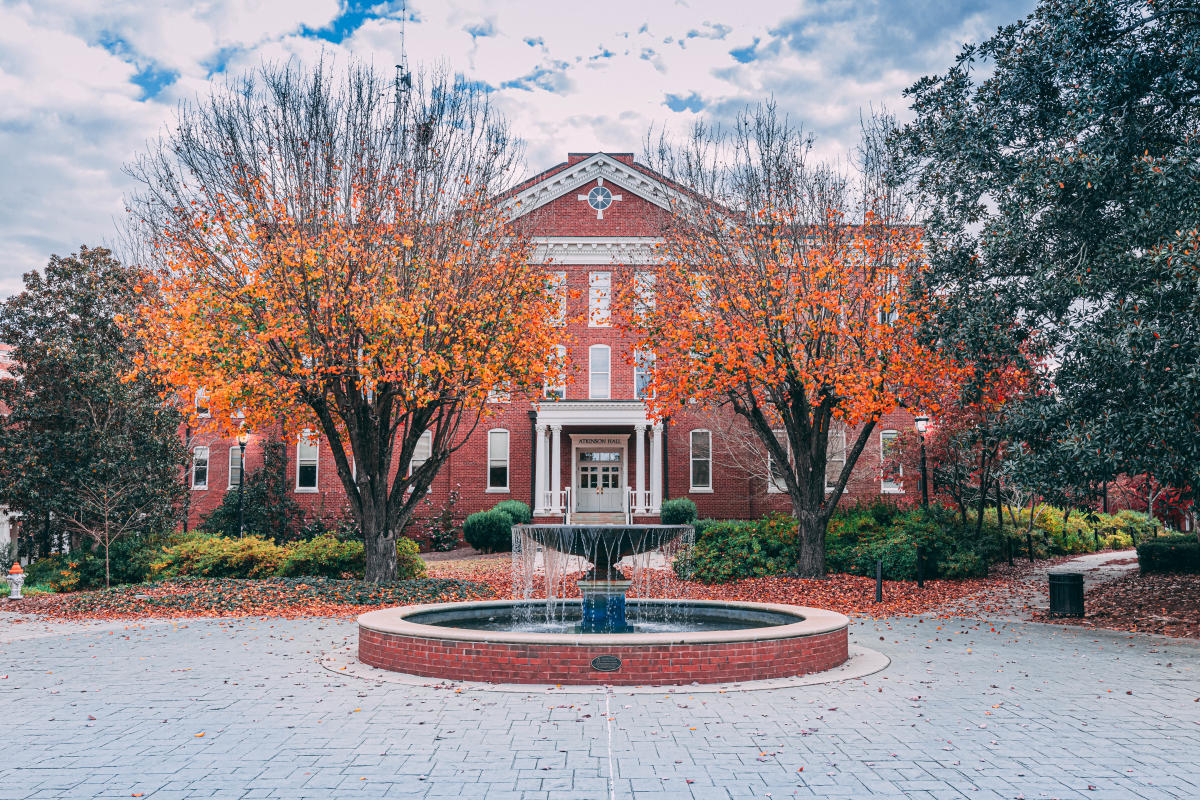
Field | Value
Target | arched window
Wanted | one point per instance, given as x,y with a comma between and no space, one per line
701,461
893,470
555,387
643,374
599,299
599,372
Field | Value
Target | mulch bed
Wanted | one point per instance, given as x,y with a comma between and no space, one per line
1154,603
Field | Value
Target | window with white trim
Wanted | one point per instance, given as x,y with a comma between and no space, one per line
497,477
200,468
889,311
835,454
893,471
643,374
307,453
422,452
643,292
235,467
599,299
555,387
776,482
701,460
202,403
500,394
599,372
556,287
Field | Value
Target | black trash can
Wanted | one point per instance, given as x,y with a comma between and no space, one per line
1066,594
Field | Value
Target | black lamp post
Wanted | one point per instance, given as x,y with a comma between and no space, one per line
242,438
922,423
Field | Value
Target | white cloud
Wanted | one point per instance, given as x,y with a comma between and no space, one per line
83,85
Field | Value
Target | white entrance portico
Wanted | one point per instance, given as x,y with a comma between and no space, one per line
600,473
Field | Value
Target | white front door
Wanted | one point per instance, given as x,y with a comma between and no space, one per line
601,481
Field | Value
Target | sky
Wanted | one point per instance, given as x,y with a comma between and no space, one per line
85,84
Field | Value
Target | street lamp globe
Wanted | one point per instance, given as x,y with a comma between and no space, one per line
922,423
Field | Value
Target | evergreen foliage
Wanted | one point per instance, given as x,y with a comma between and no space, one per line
269,509
678,511
489,531
1057,162
86,452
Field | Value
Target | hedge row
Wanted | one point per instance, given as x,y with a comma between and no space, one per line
200,555
1170,554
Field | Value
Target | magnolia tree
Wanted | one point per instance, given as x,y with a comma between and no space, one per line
332,250
783,299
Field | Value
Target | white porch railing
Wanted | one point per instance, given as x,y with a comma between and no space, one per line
556,503
638,502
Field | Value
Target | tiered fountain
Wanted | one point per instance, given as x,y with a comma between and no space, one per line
605,636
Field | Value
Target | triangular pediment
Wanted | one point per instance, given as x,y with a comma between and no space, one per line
570,179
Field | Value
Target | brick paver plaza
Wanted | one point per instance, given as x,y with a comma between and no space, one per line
1025,711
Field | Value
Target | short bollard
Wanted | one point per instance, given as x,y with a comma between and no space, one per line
879,580
1066,594
16,579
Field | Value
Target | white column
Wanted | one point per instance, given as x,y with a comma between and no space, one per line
539,472
640,432
555,470
656,459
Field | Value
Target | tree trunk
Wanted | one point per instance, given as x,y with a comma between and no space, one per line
810,538
379,542
1029,530
107,570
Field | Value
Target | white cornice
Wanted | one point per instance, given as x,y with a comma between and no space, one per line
595,249
592,412
600,165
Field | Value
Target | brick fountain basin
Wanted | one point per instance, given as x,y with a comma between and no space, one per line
745,642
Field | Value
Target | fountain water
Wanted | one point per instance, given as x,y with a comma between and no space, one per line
549,558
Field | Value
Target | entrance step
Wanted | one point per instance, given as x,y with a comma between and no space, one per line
599,518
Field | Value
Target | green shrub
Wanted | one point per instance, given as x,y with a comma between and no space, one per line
680,511
1138,525
1169,554
731,551
489,531
66,572
207,556
130,561
409,564
323,556
962,564
1117,541
517,511
702,526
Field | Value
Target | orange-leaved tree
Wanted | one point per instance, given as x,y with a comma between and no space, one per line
332,251
770,302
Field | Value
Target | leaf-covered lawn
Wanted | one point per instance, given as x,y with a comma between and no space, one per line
227,597
847,594
1157,603
1166,604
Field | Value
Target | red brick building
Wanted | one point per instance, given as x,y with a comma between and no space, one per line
586,447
